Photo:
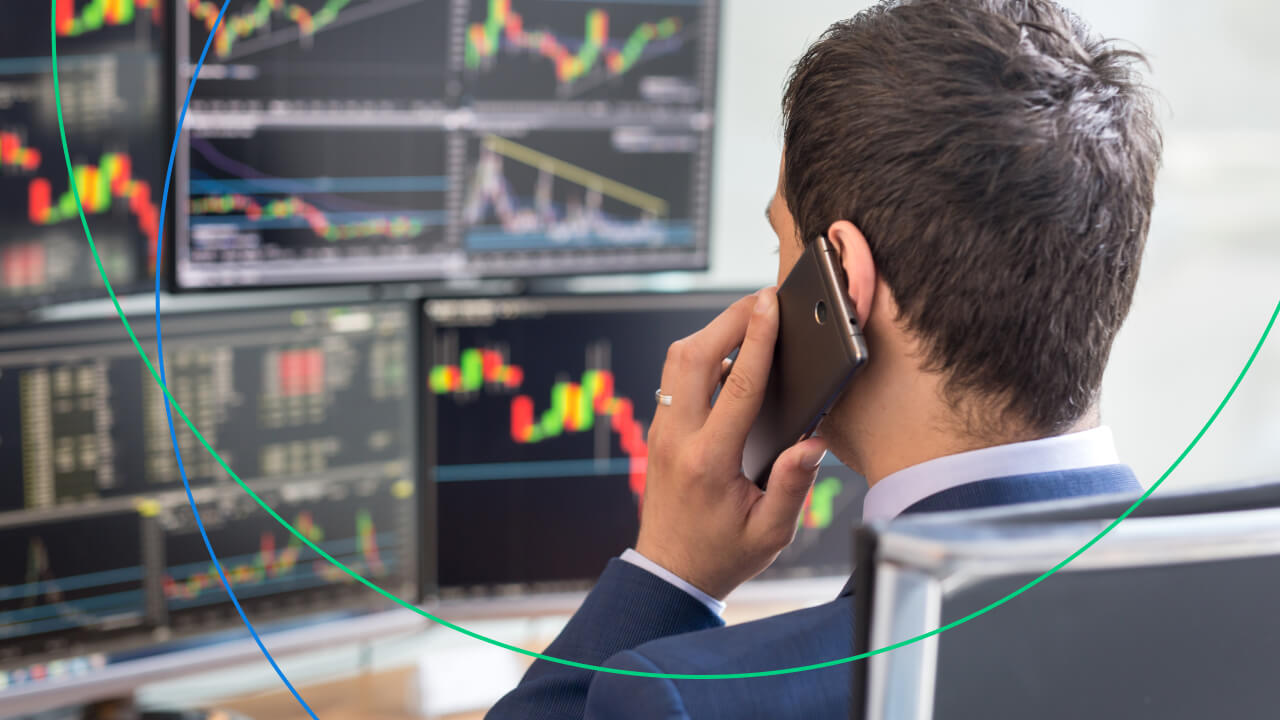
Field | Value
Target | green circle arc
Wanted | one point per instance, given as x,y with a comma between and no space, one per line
562,661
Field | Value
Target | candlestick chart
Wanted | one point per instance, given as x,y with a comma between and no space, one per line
541,50
561,190
823,533
321,50
315,196
575,407
85,28
42,248
77,19
100,186
110,83
540,436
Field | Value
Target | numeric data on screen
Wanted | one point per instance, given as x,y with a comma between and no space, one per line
311,406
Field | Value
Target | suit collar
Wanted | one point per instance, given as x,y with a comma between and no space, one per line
1013,489
901,490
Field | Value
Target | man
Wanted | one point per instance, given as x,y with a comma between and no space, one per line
986,169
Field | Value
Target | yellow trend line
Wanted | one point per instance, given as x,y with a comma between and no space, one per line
577,175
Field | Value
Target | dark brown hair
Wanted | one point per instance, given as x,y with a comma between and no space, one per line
1000,161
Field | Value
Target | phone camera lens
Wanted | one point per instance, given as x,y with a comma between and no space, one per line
820,312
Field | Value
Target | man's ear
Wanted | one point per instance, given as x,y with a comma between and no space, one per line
855,256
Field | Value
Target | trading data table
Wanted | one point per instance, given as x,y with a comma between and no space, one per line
311,406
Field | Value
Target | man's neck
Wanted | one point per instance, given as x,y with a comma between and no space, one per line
912,424
887,448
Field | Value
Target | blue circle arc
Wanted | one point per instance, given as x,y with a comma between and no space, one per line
168,409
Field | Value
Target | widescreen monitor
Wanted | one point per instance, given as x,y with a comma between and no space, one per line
537,412
372,141
311,406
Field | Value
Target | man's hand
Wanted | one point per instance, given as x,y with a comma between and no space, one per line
703,519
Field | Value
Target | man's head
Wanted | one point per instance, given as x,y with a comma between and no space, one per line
987,167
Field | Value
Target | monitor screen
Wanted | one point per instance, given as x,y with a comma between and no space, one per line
822,546
112,75
311,406
537,413
390,140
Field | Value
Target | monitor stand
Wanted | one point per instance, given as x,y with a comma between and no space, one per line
125,709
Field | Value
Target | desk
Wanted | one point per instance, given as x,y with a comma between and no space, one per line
387,694
379,695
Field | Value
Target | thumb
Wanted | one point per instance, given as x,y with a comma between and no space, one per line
789,483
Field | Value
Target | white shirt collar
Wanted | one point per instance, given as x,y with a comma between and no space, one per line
900,490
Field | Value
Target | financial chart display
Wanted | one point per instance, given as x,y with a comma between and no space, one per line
59,594
339,141
328,204
311,406
308,54
624,52
823,544
115,97
538,449
529,191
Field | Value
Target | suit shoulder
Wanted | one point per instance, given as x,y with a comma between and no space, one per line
801,637
794,639
614,696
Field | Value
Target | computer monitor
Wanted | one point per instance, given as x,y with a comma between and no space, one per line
312,406
113,61
537,412
821,545
377,141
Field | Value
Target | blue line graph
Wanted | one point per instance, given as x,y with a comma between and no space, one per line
168,407
654,233
310,186
73,582
128,601
427,217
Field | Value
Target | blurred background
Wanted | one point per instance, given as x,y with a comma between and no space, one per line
421,262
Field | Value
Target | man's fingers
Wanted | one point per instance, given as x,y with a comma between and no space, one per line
723,335
775,514
694,363
743,390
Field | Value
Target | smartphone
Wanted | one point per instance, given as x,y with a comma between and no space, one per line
819,348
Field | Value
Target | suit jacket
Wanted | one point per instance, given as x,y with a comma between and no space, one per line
633,620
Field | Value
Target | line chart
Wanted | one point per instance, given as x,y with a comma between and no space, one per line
299,21
539,193
324,50
303,194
